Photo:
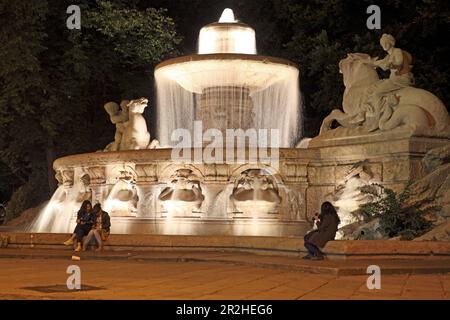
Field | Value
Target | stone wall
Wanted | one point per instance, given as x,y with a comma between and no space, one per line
303,180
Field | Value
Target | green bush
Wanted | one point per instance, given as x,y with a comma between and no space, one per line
399,214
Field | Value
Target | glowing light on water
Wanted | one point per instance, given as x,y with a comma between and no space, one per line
227,36
227,16
120,200
348,201
177,208
226,87
221,204
227,39
57,214
256,75
175,108
177,218
273,88
351,198
48,215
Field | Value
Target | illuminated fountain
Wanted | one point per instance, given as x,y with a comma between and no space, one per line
226,85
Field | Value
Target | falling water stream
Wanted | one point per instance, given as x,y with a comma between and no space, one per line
57,214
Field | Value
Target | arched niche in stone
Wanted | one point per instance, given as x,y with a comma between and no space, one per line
182,195
255,192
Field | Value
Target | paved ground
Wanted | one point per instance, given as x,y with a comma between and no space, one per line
118,279
331,266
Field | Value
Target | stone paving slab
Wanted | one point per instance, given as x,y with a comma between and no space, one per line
333,267
133,279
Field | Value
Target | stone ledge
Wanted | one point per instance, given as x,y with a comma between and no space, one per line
261,245
424,265
154,156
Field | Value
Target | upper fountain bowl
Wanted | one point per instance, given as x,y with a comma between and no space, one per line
200,71
226,57
222,37
227,36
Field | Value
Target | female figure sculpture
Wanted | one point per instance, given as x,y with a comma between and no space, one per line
398,62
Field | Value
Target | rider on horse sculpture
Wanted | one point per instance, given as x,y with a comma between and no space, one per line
374,105
398,61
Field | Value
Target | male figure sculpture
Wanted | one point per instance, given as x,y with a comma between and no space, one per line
135,136
119,117
131,127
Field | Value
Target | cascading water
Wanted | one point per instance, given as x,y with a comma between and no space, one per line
57,214
228,86
221,203
278,107
122,199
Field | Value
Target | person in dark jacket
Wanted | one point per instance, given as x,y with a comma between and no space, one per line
100,229
85,220
326,231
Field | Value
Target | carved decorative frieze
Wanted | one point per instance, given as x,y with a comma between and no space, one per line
59,177
216,172
97,175
67,177
294,172
146,173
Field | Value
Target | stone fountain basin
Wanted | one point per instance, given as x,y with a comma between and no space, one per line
152,171
200,71
304,177
162,155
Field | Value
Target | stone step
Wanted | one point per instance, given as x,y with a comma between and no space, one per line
327,266
282,246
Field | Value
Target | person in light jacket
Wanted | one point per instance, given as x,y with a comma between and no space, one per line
100,229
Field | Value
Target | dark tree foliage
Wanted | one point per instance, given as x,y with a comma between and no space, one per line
22,93
54,81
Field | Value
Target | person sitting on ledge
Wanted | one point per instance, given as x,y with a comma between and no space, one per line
85,220
326,231
100,230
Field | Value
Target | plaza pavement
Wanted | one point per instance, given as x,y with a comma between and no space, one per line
41,274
